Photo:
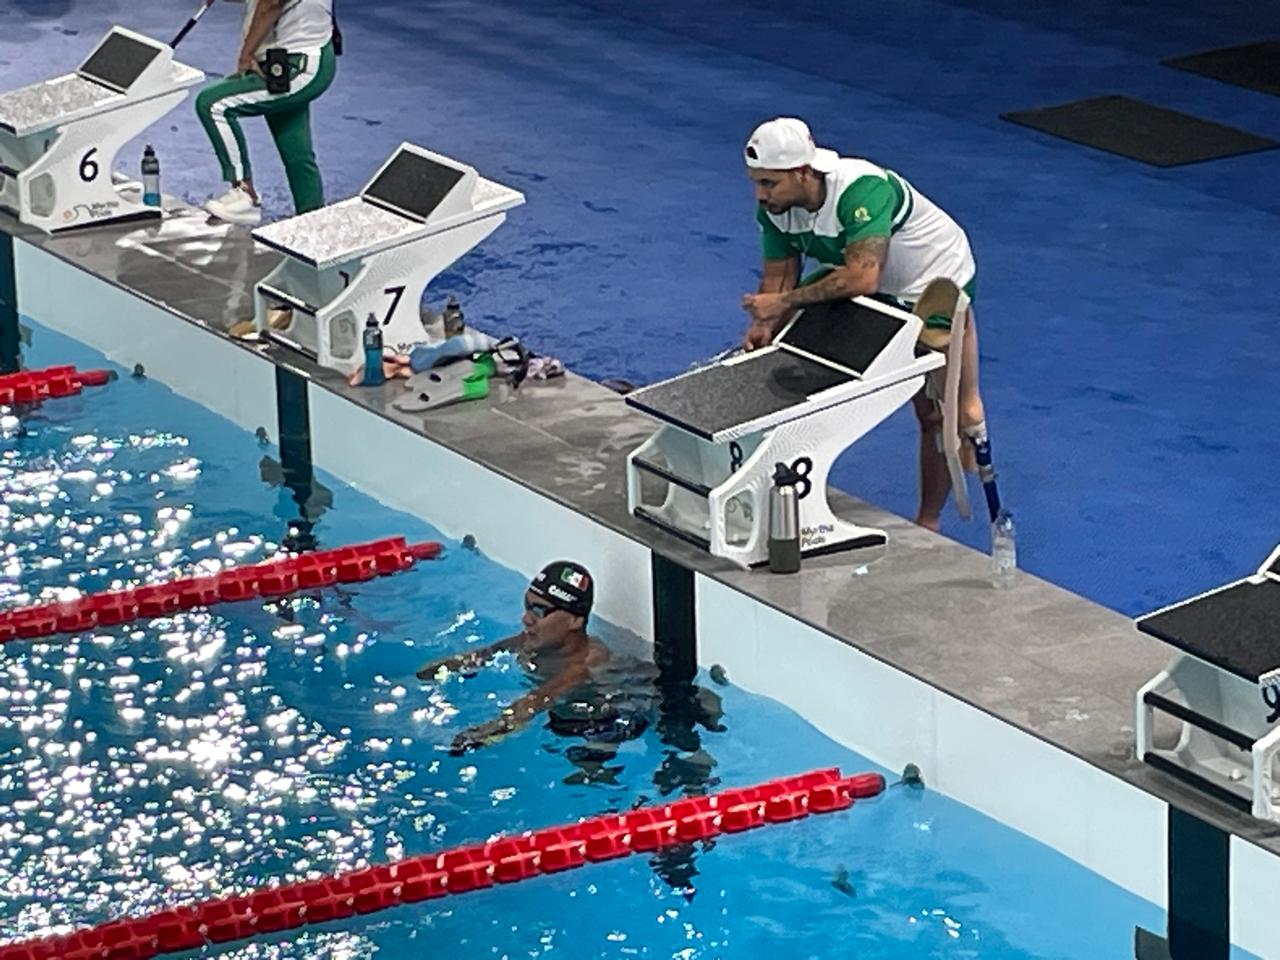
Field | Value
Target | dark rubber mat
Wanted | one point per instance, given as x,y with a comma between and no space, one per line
1254,66
1141,131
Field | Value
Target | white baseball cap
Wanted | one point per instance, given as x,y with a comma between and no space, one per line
786,143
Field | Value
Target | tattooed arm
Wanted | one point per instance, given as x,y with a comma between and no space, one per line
858,277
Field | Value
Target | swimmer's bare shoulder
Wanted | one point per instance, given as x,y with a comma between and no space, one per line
597,654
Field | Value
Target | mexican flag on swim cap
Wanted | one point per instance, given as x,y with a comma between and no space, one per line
567,586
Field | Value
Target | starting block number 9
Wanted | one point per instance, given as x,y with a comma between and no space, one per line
89,167
1271,697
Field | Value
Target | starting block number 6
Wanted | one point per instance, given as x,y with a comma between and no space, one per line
89,167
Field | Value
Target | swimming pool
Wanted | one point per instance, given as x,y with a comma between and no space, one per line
218,750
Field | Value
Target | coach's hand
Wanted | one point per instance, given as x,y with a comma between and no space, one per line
767,311
247,64
758,335
765,307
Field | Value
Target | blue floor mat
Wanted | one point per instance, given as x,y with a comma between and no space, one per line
1123,311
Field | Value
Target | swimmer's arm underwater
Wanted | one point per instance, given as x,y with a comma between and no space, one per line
522,710
469,660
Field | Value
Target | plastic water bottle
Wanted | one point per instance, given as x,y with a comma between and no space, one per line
373,375
452,317
150,177
1004,550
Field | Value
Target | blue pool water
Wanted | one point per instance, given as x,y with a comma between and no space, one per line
217,750
1122,309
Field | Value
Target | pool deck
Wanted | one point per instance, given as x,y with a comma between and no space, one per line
1035,656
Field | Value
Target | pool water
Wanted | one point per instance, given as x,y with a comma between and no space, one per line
217,750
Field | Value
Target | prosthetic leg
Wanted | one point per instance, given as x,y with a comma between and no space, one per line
944,308
977,436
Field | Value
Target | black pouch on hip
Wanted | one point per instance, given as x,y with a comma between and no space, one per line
276,68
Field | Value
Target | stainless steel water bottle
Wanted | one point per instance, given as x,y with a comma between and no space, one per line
784,521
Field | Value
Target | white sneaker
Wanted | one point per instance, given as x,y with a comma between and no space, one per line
236,206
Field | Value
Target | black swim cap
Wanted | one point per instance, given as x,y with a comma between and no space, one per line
566,586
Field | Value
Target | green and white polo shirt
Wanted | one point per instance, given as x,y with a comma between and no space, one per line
863,201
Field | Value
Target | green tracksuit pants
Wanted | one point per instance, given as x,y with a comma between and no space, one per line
221,105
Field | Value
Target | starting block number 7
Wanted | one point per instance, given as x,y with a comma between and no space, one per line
395,293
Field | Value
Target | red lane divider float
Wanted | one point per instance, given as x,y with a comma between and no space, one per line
31,386
456,871
271,578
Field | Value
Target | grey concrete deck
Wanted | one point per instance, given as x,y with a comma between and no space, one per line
1052,663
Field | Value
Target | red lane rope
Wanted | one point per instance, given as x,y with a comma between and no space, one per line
271,578
455,871
31,386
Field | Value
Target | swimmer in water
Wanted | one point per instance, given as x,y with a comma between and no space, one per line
553,647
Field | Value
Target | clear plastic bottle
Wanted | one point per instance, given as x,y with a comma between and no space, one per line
1004,550
150,177
454,323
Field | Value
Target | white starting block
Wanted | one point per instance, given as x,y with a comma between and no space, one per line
59,138
375,254
1224,686
834,372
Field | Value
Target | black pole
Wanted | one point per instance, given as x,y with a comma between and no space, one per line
191,23
687,768
1199,894
294,418
10,335
1199,889
675,646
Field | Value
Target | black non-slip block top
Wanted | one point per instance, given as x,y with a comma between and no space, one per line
1141,131
724,396
1237,629
413,184
119,61
844,332
1254,66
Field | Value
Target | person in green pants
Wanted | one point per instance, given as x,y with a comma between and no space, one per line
305,29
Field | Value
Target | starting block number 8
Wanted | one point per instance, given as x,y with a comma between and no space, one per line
802,467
